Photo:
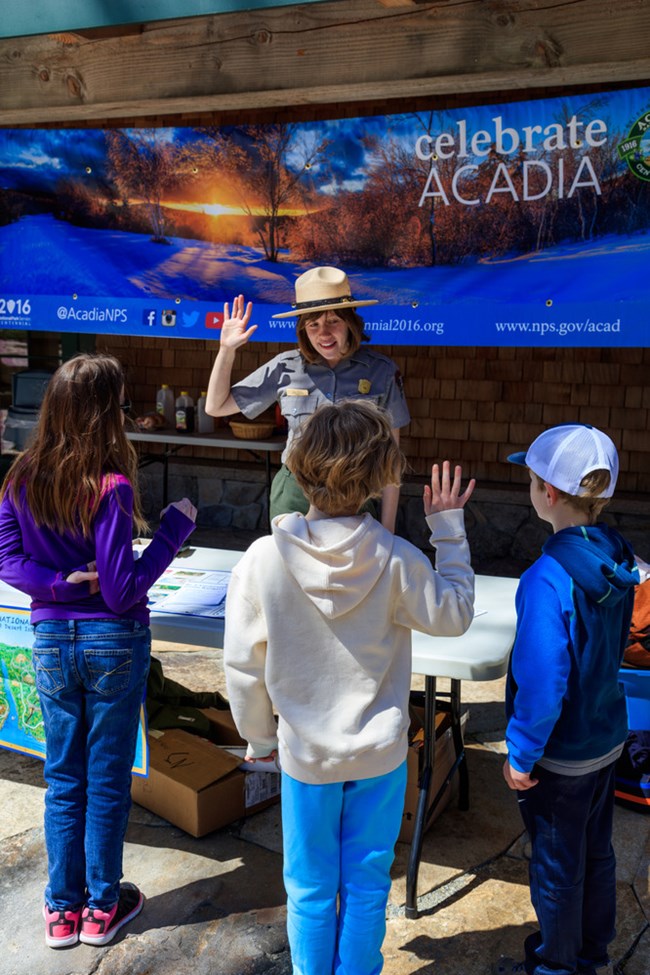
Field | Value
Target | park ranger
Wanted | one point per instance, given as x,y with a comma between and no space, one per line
328,366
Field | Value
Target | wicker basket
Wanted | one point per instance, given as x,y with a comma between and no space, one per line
252,429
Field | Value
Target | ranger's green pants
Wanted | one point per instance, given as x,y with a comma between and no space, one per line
286,496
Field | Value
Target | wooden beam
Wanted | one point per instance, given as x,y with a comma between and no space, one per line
607,74
401,3
322,53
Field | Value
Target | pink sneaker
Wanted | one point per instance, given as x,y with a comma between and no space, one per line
99,927
61,927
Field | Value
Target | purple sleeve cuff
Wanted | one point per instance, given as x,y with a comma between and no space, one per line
64,592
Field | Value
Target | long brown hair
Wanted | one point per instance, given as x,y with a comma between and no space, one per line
79,440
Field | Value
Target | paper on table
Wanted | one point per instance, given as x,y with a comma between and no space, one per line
190,592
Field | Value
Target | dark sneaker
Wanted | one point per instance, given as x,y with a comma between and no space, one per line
61,927
99,927
508,966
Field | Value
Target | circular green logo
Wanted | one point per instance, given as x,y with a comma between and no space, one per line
635,149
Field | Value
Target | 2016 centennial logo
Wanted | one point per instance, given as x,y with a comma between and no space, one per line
635,149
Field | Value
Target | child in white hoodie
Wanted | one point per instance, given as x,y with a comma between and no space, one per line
318,630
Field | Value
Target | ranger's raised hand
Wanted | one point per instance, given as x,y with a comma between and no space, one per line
235,330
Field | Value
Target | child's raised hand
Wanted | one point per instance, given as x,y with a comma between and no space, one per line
443,495
235,330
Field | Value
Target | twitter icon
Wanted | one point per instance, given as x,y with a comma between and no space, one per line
190,319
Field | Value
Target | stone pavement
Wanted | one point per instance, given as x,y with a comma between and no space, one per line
215,906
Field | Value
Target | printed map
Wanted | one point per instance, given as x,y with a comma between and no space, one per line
21,721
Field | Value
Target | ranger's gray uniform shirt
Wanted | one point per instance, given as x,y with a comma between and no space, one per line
300,386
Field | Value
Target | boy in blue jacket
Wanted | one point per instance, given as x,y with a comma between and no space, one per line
566,710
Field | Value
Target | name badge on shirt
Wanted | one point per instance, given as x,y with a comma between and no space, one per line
364,386
292,391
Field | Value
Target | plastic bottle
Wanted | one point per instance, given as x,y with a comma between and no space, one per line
165,405
184,413
205,423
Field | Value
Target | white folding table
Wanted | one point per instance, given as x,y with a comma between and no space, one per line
481,654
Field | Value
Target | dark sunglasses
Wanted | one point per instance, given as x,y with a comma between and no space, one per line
125,406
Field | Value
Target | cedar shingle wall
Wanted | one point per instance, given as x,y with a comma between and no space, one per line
472,405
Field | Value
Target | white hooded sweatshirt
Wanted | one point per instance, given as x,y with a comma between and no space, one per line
318,630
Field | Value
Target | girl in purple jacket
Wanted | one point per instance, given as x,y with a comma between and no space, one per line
68,510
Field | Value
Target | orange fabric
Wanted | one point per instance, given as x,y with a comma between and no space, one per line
637,652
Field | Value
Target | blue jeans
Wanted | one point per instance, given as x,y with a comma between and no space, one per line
572,870
339,842
90,676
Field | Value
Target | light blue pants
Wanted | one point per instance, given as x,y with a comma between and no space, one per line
339,842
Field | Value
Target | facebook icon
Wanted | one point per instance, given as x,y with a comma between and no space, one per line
148,317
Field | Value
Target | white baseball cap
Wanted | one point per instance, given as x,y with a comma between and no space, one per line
563,455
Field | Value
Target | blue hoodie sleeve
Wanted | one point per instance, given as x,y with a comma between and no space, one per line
40,581
123,580
540,663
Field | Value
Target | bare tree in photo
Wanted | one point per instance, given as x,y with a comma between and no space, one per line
425,121
144,165
265,169
390,228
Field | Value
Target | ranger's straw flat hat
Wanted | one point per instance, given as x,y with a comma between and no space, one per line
322,289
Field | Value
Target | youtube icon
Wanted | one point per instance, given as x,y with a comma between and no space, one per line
214,319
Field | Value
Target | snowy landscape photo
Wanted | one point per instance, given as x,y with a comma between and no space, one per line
523,224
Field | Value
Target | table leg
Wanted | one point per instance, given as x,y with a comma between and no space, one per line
423,797
147,459
168,451
459,747
166,455
424,809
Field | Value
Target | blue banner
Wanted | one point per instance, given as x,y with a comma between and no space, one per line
522,224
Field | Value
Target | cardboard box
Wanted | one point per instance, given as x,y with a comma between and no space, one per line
199,786
444,760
